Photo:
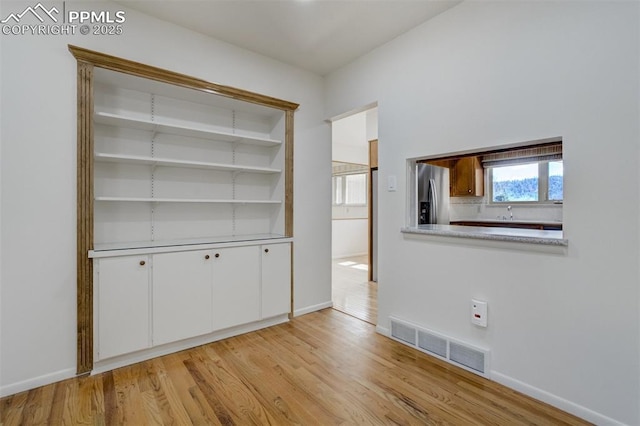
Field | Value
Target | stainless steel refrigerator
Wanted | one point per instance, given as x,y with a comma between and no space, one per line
432,200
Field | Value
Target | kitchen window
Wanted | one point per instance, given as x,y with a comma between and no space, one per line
538,182
531,175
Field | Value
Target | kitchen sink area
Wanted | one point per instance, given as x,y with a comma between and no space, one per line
508,194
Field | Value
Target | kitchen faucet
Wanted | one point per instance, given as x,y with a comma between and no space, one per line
510,212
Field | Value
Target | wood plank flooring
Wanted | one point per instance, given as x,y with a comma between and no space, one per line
323,368
352,293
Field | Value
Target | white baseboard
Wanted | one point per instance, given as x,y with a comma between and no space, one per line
556,401
383,331
309,309
35,382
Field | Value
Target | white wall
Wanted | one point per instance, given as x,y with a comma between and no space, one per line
349,139
349,237
563,326
38,133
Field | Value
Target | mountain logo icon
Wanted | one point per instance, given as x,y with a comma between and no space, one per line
39,11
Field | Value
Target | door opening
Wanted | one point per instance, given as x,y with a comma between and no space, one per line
354,248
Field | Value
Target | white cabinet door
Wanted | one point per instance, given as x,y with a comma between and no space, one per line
236,286
181,295
276,279
123,305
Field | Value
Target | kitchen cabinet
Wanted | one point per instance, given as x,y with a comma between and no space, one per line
467,177
276,279
122,296
236,286
441,163
182,305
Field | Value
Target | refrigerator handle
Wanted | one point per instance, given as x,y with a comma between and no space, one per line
433,198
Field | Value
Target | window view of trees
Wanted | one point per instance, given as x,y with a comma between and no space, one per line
556,174
524,182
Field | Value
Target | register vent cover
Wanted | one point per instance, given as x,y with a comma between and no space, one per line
403,332
451,350
467,357
433,344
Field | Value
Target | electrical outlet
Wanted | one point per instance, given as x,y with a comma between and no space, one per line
479,312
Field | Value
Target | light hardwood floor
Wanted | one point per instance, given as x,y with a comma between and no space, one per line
352,292
322,368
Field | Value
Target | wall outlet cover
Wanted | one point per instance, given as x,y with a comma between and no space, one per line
479,312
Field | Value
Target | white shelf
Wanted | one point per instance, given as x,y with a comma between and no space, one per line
135,159
173,129
164,246
185,200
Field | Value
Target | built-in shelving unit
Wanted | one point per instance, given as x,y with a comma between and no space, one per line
174,165
183,185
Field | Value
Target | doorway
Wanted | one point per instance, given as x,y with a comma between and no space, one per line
353,248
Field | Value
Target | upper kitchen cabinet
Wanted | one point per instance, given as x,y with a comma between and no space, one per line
466,177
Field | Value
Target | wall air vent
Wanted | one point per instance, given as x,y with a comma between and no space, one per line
473,359
433,344
467,357
403,332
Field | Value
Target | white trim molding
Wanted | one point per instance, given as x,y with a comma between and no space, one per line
558,402
35,382
313,308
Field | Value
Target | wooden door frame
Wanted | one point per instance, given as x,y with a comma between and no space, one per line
373,165
87,61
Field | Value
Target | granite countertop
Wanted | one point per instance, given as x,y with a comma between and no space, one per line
532,236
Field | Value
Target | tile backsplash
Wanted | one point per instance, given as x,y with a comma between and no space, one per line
476,208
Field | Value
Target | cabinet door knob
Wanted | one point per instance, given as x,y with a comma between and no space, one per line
266,250
207,257
469,191
217,254
142,263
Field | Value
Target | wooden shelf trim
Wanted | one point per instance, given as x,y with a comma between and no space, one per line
115,63
153,161
84,235
174,129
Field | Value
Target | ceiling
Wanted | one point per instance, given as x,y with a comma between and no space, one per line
317,35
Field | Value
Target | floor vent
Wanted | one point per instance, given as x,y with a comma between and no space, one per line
453,351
